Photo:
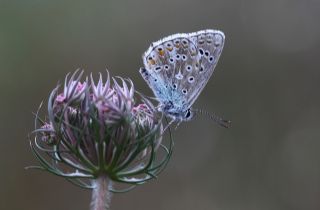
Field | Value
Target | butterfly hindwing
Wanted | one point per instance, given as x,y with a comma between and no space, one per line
156,83
172,61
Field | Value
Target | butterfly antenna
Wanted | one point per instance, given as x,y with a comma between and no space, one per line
215,118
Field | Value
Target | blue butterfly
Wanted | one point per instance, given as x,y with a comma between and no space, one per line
178,67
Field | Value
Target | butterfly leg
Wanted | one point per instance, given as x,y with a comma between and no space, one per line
168,125
178,123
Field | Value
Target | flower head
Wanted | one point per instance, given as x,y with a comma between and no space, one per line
101,128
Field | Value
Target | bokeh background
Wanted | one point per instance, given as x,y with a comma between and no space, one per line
267,82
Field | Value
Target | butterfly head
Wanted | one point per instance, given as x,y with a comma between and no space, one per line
176,113
188,115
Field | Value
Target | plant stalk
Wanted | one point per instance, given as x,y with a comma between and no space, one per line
101,195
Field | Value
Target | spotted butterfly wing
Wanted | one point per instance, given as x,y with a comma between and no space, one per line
178,67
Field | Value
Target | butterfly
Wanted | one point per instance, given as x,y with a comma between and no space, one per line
178,67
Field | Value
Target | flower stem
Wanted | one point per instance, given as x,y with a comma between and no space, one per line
101,195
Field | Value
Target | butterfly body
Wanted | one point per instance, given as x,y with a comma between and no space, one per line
178,67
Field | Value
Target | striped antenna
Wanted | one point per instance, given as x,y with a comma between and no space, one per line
215,118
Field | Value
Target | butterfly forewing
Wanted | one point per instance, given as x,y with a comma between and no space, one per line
209,44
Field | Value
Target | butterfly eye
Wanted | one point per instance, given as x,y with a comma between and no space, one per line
184,91
201,69
157,69
185,43
189,68
206,53
211,59
188,114
174,86
171,60
191,79
166,67
177,43
201,51
178,57
184,57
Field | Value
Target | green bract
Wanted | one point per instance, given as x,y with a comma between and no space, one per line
99,129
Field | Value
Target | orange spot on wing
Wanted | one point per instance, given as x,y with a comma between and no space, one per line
151,61
161,52
170,48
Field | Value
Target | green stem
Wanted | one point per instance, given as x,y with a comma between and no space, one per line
101,194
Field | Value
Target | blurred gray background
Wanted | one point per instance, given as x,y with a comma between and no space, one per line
267,82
